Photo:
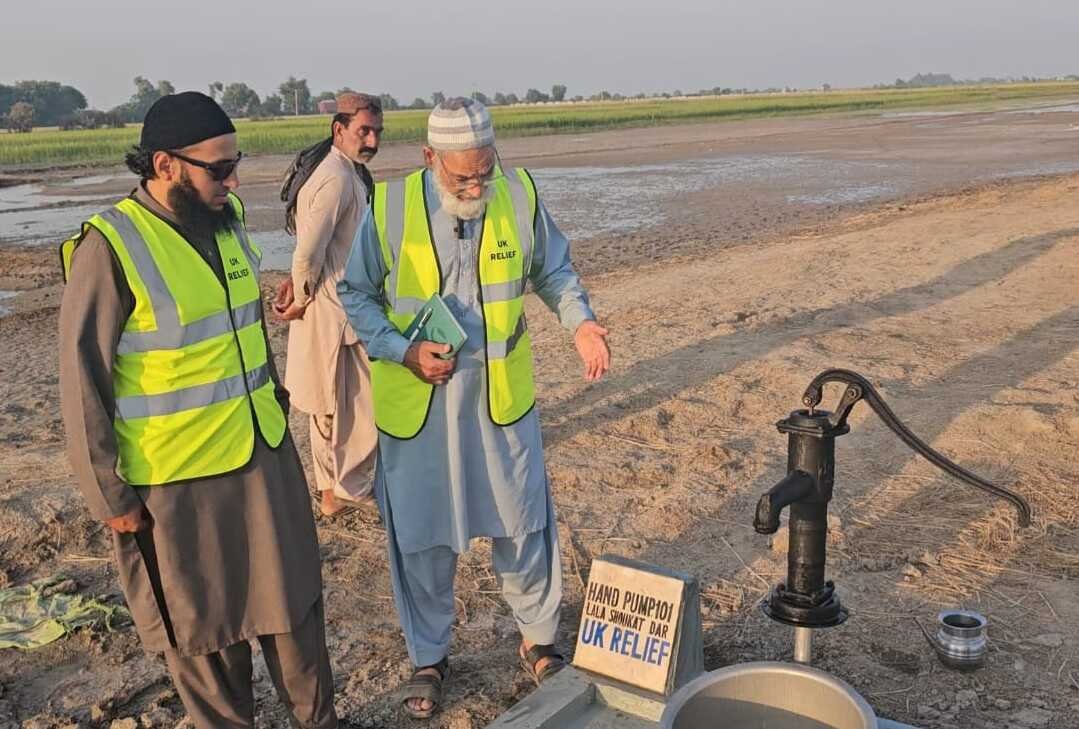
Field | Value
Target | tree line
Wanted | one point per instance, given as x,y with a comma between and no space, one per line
929,80
47,103
27,104
294,97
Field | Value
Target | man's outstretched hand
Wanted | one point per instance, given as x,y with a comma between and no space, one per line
422,358
591,341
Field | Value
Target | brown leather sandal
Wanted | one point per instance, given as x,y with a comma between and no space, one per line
531,658
425,686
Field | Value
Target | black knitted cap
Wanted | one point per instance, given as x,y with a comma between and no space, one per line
180,120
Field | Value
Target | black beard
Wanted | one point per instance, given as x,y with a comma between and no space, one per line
196,216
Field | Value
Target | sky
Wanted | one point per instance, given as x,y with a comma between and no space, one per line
412,49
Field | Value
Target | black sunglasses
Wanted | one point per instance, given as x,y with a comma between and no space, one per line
219,171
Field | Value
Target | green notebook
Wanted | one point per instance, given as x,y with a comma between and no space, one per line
436,323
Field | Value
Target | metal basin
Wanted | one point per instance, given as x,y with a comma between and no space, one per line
767,695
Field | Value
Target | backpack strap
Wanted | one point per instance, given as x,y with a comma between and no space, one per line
368,181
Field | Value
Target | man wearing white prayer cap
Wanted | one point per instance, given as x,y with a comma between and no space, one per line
460,451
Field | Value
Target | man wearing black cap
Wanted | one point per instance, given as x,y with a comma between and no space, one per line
177,428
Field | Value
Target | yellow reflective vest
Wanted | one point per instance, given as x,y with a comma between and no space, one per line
191,374
401,400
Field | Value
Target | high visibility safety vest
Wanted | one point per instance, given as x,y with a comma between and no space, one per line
191,376
401,400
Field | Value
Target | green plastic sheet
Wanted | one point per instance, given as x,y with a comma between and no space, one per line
46,610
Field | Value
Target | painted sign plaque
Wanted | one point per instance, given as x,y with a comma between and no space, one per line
630,623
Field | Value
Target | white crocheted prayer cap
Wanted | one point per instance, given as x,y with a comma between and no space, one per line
459,123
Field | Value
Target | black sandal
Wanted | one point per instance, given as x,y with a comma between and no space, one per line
425,686
531,658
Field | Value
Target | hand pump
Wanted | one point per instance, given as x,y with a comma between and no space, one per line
806,600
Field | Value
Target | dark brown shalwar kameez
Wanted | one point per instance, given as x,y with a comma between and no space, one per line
229,558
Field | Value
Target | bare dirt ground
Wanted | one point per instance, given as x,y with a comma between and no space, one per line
962,307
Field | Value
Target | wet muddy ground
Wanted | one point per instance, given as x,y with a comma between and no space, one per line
725,182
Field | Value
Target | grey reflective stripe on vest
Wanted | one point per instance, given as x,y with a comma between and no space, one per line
195,332
240,231
502,292
170,334
395,232
407,305
522,210
501,350
166,315
189,398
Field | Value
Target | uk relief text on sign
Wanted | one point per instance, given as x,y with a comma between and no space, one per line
629,625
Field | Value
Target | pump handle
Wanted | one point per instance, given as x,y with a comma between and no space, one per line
859,388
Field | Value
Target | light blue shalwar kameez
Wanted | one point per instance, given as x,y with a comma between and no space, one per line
463,476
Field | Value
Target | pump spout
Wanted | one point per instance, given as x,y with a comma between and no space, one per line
795,486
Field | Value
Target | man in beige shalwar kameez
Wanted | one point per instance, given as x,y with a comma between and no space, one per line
327,374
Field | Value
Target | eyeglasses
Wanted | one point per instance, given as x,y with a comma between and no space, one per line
219,171
462,183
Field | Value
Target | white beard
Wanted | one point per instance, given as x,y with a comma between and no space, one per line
463,209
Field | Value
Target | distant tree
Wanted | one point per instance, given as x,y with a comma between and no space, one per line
52,101
826,87
577,98
271,106
511,98
534,96
500,98
146,93
389,103
20,118
239,99
91,119
933,79
418,103
215,88
295,95
437,98
481,97
558,92
324,96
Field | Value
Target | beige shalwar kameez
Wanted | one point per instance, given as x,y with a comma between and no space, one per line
327,373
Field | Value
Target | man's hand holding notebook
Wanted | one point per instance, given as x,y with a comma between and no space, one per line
433,323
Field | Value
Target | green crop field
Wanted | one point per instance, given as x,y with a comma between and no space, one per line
48,148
